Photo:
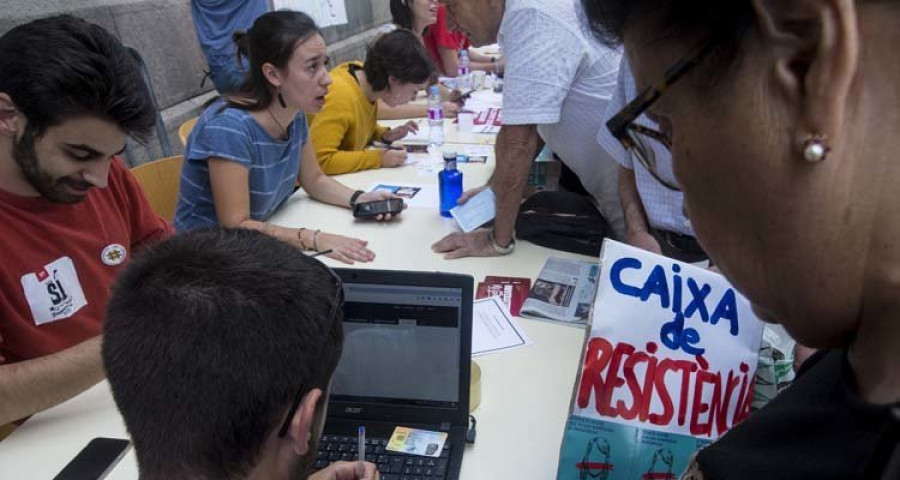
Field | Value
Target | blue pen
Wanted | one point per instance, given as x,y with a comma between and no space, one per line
362,444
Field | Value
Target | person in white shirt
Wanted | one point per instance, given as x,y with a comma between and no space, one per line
654,212
557,83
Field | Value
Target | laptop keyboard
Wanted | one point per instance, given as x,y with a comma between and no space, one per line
391,465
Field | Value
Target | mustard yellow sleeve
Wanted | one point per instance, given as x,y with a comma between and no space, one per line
378,133
327,132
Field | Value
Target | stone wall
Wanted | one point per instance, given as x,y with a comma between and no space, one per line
163,33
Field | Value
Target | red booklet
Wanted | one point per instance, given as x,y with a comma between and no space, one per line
512,290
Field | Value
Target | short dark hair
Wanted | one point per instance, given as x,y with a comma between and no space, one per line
272,39
725,23
61,67
399,54
401,14
208,338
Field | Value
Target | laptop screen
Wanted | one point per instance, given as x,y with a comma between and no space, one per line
401,346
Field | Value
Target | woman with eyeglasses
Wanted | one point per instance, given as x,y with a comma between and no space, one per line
247,152
396,68
782,120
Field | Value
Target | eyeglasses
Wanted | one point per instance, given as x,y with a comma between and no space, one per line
337,302
640,140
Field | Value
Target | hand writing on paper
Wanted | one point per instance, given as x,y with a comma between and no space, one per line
393,157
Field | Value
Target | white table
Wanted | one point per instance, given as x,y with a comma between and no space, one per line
452,134
525,393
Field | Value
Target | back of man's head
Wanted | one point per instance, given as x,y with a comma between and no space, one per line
62,67
208,338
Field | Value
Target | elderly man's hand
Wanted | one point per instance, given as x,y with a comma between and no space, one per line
461,245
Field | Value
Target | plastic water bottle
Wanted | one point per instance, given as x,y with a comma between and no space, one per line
464,75
435,117
450,183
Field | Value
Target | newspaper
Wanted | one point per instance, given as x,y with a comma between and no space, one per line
563,292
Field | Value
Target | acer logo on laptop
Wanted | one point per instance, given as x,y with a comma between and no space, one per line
353,410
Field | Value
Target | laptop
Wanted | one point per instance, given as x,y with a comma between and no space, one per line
406,362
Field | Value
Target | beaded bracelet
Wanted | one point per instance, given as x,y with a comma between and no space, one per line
303,244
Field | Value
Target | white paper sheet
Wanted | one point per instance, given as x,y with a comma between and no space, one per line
480,209
326,13
494,330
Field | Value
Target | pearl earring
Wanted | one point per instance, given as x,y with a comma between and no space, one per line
815,148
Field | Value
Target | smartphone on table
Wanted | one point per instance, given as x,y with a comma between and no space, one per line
95,460
379,207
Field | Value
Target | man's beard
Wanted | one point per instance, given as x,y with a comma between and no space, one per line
50,188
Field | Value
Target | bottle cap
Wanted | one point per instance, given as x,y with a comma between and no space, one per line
449,155
433,90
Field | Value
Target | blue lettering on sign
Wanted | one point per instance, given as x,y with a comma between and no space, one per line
656,284
673,334
698,302
727,309
615,274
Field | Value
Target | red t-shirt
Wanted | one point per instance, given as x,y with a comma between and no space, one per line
437,36
59,262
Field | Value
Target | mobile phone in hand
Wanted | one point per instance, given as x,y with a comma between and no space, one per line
379,207
95,460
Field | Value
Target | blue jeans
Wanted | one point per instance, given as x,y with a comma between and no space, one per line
227,76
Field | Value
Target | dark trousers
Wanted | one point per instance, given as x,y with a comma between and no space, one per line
680,247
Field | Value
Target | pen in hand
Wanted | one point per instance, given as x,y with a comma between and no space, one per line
362,444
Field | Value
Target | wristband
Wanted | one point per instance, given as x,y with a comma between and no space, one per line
355,197
500,249
316,240
303,244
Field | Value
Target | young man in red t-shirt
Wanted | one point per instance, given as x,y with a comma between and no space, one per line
72,214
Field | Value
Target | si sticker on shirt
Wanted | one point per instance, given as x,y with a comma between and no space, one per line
54,293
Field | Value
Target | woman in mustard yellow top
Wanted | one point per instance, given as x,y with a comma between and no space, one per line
397,66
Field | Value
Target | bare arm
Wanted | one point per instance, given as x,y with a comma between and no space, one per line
231,194
477,56
230,183
517,146
35,385
450,60
319,185
637,227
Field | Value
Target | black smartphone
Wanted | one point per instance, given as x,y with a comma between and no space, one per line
416,148
95,460
380,207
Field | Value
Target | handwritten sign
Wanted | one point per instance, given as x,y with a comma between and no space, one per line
668,367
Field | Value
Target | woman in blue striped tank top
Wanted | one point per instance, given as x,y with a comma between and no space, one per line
248,152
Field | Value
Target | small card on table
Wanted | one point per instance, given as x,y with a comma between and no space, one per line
413,441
